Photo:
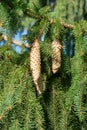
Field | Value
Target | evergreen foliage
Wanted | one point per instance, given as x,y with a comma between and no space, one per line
62,105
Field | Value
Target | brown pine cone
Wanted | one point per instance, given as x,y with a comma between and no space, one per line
35,65
56,58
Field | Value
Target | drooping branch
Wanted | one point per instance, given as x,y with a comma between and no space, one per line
31,14
66,25
42,30
7,109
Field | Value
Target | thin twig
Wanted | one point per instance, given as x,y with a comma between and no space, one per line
29,13
16,42
67,25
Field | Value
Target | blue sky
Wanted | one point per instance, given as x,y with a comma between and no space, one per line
17,37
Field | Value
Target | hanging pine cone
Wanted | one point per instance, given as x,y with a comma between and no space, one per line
56,58
35,65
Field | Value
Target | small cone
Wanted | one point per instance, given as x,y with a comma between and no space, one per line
56,58
35,65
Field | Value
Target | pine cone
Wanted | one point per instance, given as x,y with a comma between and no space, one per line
56,58
35,65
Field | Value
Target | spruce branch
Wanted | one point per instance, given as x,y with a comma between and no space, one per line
29,13
70,26
33,15
33,2
9,108
16,42
9,5
66,25
42,30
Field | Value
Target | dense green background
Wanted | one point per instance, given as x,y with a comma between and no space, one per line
63,102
